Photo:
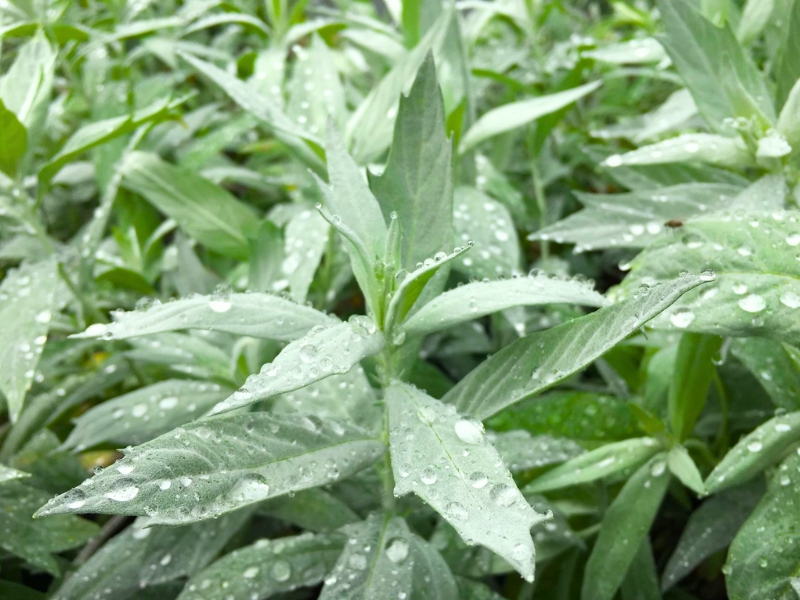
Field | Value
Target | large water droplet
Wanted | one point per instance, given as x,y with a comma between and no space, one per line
281,570
219,306
457,511
755,446
790,299
123,491
753,303
428,476
682,318
469,431
397,550
250,488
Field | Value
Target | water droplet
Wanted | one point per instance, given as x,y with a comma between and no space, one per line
457,511
166,560
755,446
357,562
469,431
250,572
281,570
250,488
682,318
739,288
504,495
478,480
397,550
219,306
167,403
615,160
752,303
790,299
793,239
123,491
657,468
428,476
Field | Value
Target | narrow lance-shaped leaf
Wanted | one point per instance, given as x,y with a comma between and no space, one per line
258,315
702,147
516,114
521,451
184,477
625,524
475,300
771,363
7,474
432,578
26,302
376,562
266,568
682,466
691,379
755,452
306,239
13,141
320,354
597,464
447,461
539,361
764,558
641,581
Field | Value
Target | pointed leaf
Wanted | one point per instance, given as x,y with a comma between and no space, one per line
632,52
432,578
522,452
691,378
771,363
475,300
182,477
258,315
447,461
315,92
539,361
320,354
701,147
313,510
682,466
641,581
628,518
306,239
13,141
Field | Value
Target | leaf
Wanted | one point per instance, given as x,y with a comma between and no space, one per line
698,47
789,121
522,452
682,466
754,19
763,558
204,210
539,361
417,183
689,147
597,464
710,528
446,460
181,477
753,255
35,541
489,224
369,128
691,378
517,114
258,315
432,579
266,568
313,509
13,141
628,518
771,363
755,452
266,259
475,300
634,219
26,86
306,239
26,304
184,353
676,112
641,581
639,51
9,474
321,353
141,415
786,70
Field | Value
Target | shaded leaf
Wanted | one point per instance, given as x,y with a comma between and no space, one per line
13,141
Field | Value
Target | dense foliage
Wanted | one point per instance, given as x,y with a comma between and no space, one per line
400,300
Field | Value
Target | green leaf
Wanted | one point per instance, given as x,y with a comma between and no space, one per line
446,460
628,519
266,259
247,21
754,257
539,361
258,315
517,114
691,378
321,353
8,474
786,69
306,239
701,147
13,141
522,452
182,477
698,49
641,581
316,71
755,16
675,112
789,120
755,452
432,579
682,466
771,363
635,219
636,52
35,541
597,464
266,568
27,297
711,528
376,563
417,183
141,415
314,509
764,557
475,300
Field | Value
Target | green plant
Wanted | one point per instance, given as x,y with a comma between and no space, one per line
332,369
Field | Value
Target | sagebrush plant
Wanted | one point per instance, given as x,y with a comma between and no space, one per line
400,300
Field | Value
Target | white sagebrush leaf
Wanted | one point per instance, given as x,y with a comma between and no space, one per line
701,147
447,461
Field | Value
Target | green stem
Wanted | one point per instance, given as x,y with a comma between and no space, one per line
541,202
385,361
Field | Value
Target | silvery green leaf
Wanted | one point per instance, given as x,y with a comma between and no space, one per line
764,556
268,74
214,20
755,16
417,182
143,414
771,363
306,237
432,578
596,464
693,372
323,352
370,127
682,466
517,114
635,219
632,52
521,451
629,518
313,509
555,536
701,147
36,541
197,355
266,568
754,257
489,224
755,452
315,92
447,461
641,580
7,474
14,140
258,315
266,260
675,112
711,528
539,361
788,121
184,477
26,300
376,563
475,300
